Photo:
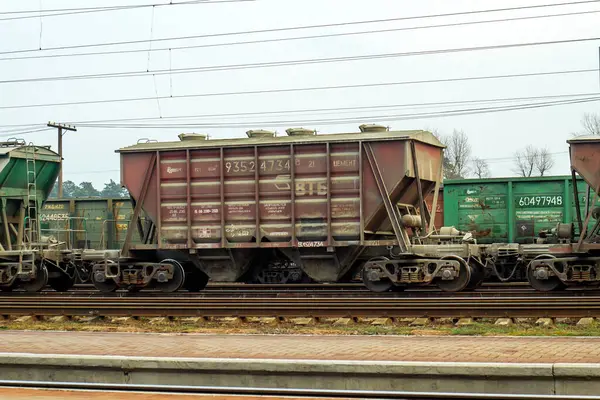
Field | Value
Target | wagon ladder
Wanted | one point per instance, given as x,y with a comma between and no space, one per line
31,228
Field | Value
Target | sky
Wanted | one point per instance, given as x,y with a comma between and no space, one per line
89,153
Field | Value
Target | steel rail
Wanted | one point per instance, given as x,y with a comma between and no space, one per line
266,391
241,293
306,307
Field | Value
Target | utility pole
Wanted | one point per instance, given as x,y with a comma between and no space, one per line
61,128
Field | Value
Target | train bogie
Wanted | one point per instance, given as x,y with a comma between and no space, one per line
449,260
109,272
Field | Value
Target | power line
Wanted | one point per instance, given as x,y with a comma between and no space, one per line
22,132
346,109
271,30
97,171
497,160
273,64
339,121
306,89
274,40
19,127
87,10
470,111
328,110
94,8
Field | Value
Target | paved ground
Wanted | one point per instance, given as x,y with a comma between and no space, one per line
21,394
384,348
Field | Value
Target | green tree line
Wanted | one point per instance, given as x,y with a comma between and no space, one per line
86,189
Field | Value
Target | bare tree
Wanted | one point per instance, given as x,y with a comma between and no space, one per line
448,168
480,168
457,154
544,161
533,159
590,124
525,161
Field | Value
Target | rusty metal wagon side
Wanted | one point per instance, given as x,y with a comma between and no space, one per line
325,204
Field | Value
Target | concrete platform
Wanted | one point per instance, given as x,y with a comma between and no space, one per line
35,394
515,365
309,347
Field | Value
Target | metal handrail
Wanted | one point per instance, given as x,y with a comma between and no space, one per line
70,238
69,233
102,242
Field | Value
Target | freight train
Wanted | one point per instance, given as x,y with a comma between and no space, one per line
303,206
498,210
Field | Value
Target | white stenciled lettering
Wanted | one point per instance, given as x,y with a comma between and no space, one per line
54,207
275,208
311,188
175,213
281,234
344,163
53,217
311,244
171,170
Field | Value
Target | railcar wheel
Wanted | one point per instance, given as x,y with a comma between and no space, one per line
544,285
100,282
377,286
477,275
195,281
459,283
62,283
175,283
41,279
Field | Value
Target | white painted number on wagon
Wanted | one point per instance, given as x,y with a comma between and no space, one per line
540,201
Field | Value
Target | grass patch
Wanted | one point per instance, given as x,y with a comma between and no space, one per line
145,325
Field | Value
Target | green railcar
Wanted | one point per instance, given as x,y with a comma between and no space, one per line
88,222
27,174
513,210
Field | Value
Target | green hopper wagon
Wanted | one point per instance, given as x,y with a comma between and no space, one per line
27,175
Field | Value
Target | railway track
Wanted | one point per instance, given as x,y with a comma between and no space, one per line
317,287
237,290
319,307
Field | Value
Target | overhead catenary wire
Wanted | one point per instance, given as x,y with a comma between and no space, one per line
345,109
305,89
310,37
590,97
341,121
87,10
22,132
494,160
328,110
316,26
18,127
212,68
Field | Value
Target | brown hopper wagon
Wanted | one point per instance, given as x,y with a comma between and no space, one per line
276,208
